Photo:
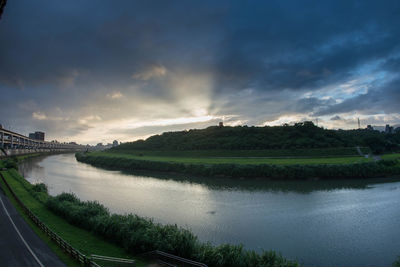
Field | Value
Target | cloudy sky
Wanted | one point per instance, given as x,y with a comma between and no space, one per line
94,71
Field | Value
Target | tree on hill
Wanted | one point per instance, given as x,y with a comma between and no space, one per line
302,135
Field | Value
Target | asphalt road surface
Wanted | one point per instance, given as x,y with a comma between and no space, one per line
19,245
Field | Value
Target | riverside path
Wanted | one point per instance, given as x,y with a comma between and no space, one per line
19,245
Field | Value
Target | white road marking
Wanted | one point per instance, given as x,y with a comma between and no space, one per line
18,232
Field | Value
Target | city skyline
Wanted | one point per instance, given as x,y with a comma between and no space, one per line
95,71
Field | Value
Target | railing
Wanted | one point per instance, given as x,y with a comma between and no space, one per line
113,260
172,260
15,140
163,257
74,253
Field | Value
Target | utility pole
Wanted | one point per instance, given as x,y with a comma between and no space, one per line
359,126
2,6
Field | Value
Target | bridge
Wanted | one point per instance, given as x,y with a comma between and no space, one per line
12,143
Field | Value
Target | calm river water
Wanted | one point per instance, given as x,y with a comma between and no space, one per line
353,223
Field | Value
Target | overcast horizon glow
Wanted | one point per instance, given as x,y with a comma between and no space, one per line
94,71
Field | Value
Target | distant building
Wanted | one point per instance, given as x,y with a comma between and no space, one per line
37,136
369,127
221,124
397,130
115,143
388,129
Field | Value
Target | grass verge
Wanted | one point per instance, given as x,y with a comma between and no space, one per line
391,156
84,241
238,160
132,232
382,168
57,250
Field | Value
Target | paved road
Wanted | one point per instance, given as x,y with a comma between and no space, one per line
374,157
19,245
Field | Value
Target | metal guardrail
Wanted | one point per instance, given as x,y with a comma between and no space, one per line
74,253
172,260
112,259
166,258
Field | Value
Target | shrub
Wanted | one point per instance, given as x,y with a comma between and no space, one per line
40,187
11,163
138,235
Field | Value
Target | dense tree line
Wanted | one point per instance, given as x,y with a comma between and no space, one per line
299,136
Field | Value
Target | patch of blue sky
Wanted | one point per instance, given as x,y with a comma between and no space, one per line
366,77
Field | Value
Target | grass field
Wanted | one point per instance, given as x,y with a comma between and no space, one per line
274,153
238,160
391,156
84,241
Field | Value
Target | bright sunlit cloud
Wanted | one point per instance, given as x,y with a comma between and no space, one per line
39,115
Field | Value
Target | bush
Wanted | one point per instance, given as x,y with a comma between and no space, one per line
11,163
41,187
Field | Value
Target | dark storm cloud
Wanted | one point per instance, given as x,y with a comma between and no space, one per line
306,44
336,118
269,45
67,55
306,105
44,42
392,64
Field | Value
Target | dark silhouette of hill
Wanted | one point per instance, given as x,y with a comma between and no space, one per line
303,135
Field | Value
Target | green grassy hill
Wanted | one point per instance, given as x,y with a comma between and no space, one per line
300,136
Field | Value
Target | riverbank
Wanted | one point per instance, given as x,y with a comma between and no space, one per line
133,233
82,240
294,168
339,219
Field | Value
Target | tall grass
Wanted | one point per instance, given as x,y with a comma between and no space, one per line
10,163
138,235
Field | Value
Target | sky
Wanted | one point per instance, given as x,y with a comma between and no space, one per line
95,71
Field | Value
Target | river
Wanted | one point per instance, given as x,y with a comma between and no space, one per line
319,223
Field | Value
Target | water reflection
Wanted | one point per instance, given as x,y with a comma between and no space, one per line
335,223
234,184
302,187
